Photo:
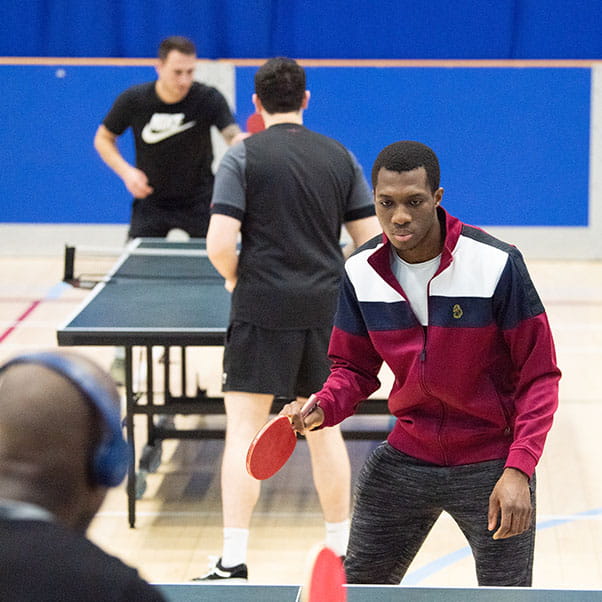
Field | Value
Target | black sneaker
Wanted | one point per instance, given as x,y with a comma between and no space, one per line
221,574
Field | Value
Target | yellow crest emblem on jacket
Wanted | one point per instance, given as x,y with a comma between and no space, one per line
457,311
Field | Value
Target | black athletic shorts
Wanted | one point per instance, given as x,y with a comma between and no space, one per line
284,363
152,220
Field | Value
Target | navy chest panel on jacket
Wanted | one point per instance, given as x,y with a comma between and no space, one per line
483,285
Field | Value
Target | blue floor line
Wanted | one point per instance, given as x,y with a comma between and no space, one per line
419,575
57,290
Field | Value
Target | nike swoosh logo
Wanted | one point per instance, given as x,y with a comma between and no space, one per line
151,136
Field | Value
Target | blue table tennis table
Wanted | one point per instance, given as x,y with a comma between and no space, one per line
159,293
163,293
183,592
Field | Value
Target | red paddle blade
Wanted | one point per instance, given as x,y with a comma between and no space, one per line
271,448
327,582
255,123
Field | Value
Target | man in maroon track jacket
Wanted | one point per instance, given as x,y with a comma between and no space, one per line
454,314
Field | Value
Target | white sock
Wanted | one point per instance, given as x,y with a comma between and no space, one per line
337,536
235,547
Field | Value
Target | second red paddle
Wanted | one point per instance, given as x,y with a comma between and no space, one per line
255,123
327,580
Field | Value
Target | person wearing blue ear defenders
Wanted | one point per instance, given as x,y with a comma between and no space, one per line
61,449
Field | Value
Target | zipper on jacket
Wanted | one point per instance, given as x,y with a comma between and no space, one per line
443,416
425,388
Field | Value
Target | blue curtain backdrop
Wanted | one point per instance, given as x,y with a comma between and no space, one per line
352,29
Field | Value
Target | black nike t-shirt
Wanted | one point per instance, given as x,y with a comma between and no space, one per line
173,141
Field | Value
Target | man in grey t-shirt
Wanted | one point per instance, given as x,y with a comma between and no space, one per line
286,192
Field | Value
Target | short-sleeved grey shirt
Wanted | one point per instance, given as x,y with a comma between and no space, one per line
292,189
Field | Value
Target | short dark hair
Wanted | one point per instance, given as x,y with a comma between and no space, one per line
408,155
280,85
179,43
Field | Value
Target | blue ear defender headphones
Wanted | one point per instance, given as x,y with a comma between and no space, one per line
110,458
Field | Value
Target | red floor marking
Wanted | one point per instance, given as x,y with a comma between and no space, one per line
20,319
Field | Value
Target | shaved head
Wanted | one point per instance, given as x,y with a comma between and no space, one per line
48,433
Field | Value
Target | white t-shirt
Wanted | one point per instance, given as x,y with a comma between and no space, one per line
414,279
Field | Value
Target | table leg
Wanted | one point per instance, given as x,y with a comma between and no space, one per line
129,425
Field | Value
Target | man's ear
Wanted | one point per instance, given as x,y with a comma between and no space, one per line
306,98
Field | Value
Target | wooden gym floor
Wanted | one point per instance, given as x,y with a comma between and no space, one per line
178,519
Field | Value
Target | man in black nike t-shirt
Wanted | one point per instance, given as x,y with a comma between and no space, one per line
171,119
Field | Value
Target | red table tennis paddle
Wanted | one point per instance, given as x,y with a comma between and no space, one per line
327,580
274,444
255,123
271,448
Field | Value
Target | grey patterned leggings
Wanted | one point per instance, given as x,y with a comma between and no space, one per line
397,501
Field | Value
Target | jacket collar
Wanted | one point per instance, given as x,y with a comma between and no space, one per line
17,510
